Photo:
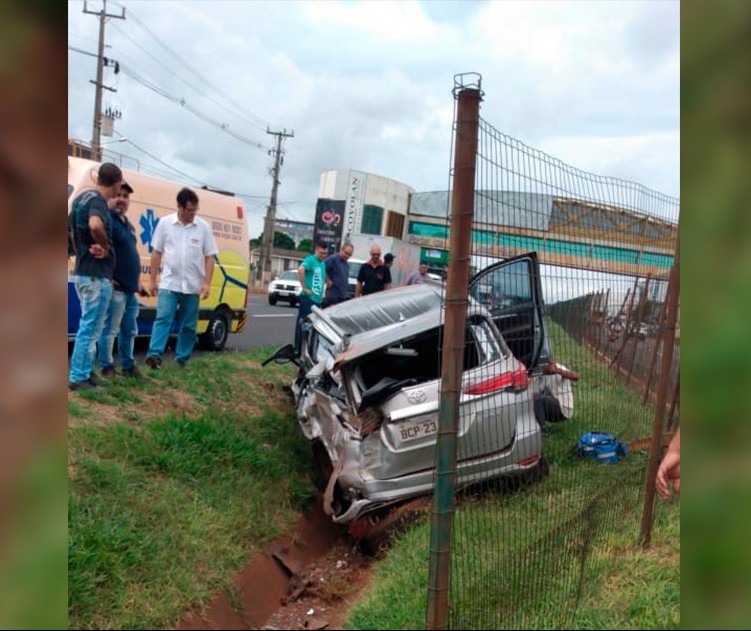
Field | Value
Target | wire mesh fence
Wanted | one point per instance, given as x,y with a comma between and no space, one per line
572,268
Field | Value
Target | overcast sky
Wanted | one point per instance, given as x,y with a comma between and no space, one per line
367,86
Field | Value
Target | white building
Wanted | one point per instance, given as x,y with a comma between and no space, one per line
353,202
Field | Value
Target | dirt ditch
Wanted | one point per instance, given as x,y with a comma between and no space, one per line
306,581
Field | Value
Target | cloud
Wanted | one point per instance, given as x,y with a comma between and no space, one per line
367,86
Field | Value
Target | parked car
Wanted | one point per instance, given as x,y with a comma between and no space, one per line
286,287
354,266
368,389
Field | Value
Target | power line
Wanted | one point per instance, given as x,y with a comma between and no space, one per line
206,94
247,196
169,166
182,102
83,52
240,109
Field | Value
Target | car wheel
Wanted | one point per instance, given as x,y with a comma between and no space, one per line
216,333
272,299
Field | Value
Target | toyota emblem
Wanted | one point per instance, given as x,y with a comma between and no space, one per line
417,396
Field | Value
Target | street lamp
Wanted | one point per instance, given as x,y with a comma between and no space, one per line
110,142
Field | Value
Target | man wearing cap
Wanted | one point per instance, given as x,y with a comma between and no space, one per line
90,229
123,310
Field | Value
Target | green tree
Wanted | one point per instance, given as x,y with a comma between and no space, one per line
305,245
256,243
283,241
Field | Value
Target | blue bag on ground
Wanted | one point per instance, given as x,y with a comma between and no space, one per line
601,447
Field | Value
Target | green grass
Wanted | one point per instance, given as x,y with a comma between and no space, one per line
164,508
526,558
643,590
77,410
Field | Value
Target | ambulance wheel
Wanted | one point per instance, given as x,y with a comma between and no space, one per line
216,333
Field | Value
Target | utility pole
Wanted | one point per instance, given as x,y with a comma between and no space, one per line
96,132
270,221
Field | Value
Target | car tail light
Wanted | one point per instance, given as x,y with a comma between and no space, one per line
516,381
527,462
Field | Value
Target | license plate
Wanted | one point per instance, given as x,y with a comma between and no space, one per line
415,430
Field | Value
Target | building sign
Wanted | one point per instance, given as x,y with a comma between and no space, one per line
355,192
329,223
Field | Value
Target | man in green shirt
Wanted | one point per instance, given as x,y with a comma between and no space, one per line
312,277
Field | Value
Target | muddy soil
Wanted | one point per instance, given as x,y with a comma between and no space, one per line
308,581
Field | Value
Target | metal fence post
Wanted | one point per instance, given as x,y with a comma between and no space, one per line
462,213
667,336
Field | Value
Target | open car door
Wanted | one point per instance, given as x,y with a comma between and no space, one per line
511,291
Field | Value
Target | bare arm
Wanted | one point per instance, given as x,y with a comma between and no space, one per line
156,261
358,289
99,234
301,278
206,285
670,467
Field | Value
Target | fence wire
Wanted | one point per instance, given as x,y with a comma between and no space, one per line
534,521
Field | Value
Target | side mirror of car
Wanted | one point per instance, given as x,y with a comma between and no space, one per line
283,355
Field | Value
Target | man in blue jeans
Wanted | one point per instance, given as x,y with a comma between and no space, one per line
184,245
312,277
90,226
122,314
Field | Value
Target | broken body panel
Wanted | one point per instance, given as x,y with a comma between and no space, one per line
368,389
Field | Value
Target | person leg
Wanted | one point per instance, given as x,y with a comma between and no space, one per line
186,339
109,331
128,332
165,314
94,295
306,305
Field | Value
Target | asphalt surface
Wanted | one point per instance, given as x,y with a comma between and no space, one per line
267,325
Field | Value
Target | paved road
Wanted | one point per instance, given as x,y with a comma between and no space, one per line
267,325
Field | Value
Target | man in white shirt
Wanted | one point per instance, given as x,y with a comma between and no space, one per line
184,245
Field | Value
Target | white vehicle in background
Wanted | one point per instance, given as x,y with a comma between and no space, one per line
354,266
286,287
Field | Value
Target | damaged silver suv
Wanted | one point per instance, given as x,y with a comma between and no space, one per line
368,388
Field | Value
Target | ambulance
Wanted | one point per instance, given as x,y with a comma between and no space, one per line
225,310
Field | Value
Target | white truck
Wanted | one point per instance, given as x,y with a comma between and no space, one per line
406,255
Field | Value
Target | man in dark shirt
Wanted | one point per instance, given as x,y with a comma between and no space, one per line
337,275
374,274
91,227
122,314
